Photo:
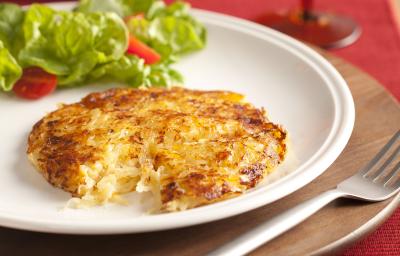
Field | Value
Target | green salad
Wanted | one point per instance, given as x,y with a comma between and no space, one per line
133,42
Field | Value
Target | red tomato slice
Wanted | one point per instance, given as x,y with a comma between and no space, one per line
35,83
138,48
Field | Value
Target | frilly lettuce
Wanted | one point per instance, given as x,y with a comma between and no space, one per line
121,7
89,44
11,18
132,71
70,44
10,71
170,30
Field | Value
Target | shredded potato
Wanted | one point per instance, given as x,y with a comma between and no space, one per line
188,148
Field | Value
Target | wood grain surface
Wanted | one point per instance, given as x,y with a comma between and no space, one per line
377,118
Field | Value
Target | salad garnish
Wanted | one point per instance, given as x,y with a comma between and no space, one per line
133,42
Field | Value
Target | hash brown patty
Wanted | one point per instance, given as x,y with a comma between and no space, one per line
188,147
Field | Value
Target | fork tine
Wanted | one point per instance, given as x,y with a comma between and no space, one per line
374,160
393,174
381,170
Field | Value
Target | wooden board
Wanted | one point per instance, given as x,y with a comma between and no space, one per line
377,118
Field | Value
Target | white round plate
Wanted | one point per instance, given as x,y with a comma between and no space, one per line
298,88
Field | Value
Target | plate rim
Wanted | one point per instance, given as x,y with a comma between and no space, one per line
308,171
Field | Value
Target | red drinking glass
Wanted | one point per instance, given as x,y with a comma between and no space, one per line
322,29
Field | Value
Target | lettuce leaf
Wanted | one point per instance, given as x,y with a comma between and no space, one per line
177,9
70,44
89,44
163,75
170,30
10,71
11,18
132,71
174,36
121,7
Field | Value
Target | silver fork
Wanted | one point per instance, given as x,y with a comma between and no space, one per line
375,182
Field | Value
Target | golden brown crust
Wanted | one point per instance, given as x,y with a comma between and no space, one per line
197,146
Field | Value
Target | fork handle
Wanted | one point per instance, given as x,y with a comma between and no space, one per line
272,228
